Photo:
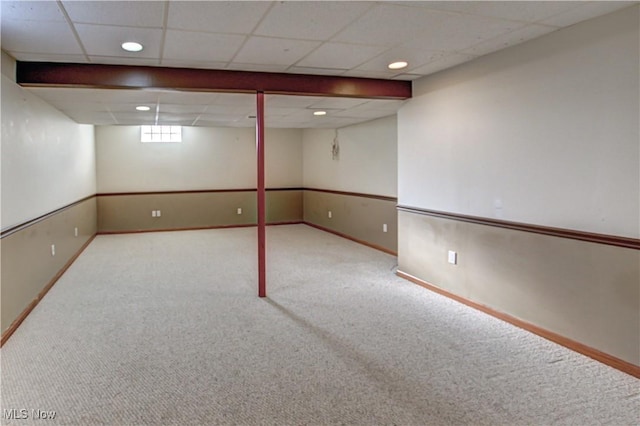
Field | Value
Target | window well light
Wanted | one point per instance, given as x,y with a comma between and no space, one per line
319,112
142,108
398,65
132,46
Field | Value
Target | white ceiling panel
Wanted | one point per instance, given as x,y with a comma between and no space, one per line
241,66
413,53
48,57
204,46
460,31
510,39
104,40
290,101
31,10
236,99
234,17
315,70
182,63
447,61
388,25
346,38
340,55
587,10
97,118
182,108
35,37
316,20
119,60
117,13
277,51
338,103
528,11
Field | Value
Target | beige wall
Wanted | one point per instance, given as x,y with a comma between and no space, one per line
585,291
122,213
27,263
544,133
361,218
48,160
367,162
207,158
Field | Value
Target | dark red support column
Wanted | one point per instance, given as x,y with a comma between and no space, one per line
262,267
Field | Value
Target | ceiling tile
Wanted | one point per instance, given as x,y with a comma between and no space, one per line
316,70
130,107
236,17
388,25
91,117
291,101
236,99
340,55
118,60
414,53
435,30
276,51
118,13
190,63
382,73
338,103
35,37
47,57
528,11
181,108
239,66
407,76
186,98
228,109
30,10
103,40
587,10
445,62
317,20
510,39
205,47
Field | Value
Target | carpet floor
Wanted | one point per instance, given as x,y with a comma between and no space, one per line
167,329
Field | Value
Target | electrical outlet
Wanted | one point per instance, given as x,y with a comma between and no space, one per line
158,213
239,210
384,227
329,214
453,257
53,249
153,213
75,231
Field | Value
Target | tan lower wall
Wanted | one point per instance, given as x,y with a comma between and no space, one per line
27,263
587,292
359,217
184,210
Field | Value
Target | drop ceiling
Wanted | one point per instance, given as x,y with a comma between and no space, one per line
347,38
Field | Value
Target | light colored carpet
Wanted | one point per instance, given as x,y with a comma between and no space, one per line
166,328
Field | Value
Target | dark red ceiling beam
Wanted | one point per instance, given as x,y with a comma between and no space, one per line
141,77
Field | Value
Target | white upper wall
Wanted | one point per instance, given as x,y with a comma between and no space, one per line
367,161
207,158
546,132
48,160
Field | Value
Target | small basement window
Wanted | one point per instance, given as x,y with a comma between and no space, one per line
161,134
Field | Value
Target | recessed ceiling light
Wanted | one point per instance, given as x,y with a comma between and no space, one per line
398,65
132,46
143,108
320,113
